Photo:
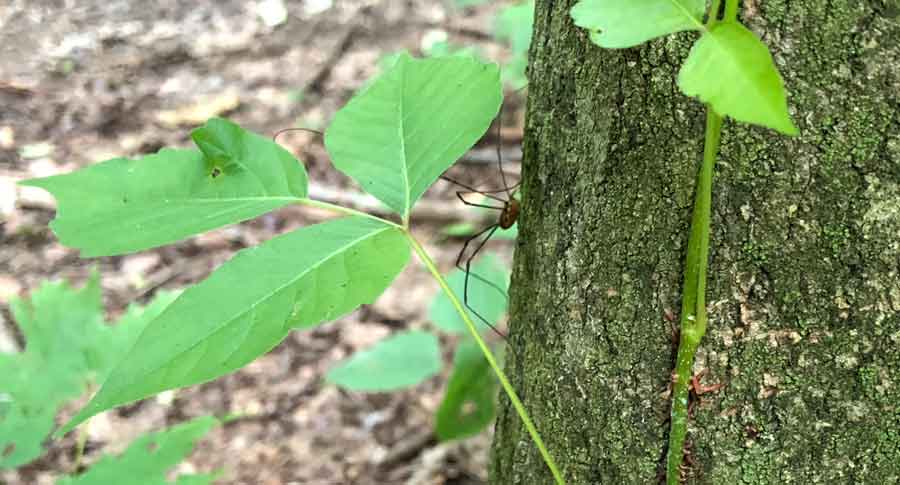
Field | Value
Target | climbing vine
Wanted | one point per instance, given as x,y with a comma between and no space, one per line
730,70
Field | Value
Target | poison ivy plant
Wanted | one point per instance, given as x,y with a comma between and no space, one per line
67,346
731,71
149,458
394,138
728,68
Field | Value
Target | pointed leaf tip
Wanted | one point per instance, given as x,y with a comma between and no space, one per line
399,134
730,69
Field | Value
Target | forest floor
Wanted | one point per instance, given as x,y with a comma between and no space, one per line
87,80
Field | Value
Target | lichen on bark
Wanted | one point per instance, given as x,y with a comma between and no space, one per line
804,277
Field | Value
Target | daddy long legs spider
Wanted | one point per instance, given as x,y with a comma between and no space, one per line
509,212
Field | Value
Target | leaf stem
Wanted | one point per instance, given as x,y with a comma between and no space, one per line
693,305
731,10
346,210
713,16
507,387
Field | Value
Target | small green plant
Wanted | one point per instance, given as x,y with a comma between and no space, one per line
394,138
68,347
731,71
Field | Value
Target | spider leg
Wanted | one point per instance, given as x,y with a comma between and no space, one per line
307,130
490,230
473,190
500,149
462,252
466,202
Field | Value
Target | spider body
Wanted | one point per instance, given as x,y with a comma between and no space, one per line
509,214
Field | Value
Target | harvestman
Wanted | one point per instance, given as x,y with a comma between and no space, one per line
509,212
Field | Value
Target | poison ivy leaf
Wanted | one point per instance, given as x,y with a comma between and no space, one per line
469,403
732,70
127,205
398,135
403,360
148,459
339,285
248,305
67,345
487,295
616,24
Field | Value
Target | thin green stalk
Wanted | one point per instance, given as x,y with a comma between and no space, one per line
693,304
731,10
713,17
510,392
345,210
80,444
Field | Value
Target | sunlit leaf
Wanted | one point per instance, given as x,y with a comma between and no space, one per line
248,305
398,135
126,205
403,360
627,23
149,458
488,280
732,70
469,402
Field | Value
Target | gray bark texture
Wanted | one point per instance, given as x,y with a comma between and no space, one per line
804,278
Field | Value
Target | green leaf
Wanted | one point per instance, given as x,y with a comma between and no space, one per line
127,205
732,70
67,346
248,305
486,299
616,24
149,458
469,403
403,360
398,135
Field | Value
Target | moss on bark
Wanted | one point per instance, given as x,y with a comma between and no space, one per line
804,281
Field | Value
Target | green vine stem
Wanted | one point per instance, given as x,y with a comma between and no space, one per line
492,361
693,303
510,392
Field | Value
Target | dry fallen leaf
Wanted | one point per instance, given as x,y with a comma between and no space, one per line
204,109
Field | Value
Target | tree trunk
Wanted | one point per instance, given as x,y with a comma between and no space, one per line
804,277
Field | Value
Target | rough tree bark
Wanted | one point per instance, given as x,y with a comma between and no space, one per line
804,278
